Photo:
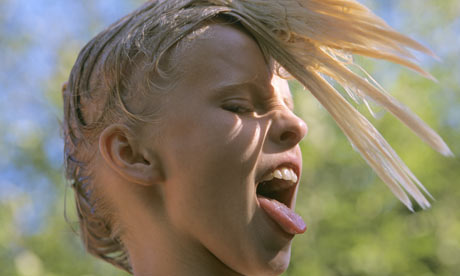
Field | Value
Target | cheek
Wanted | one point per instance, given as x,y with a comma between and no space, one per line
211,162
215,140
211,193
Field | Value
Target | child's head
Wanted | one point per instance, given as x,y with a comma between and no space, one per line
175,114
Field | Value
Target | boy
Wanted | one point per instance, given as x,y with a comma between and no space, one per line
180,137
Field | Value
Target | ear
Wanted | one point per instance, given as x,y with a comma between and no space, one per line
124,155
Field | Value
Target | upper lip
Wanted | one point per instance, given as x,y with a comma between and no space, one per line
292,163
292,166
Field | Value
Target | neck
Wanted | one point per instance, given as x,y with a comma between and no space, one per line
166,252
154,245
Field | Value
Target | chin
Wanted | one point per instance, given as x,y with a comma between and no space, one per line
272,265
278,266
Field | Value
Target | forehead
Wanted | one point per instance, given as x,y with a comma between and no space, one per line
220,49
219,55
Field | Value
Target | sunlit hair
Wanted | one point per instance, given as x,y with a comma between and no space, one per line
310,39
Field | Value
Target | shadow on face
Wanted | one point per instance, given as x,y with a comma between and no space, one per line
227,121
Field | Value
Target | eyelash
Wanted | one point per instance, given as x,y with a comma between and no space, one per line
242,107
238,108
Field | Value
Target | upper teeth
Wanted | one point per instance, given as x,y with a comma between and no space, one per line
282,173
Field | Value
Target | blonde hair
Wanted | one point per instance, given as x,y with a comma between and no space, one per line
310,39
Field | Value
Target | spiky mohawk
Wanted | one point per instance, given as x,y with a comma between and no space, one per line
315,38
312,39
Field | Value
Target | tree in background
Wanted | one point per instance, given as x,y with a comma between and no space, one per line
356,226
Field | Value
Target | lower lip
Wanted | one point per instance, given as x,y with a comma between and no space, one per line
290,222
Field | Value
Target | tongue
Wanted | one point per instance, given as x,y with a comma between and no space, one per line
289,221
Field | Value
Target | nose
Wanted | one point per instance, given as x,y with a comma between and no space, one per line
287,129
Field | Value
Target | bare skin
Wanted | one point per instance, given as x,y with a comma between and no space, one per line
184,188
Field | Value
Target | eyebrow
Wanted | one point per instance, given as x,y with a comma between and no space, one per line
248,85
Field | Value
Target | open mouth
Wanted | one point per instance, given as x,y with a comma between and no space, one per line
279,185
275,194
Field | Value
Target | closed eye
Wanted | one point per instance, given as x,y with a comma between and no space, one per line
238,109
238,106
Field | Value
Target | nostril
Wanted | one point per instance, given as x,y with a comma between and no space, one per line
295,130
288,129
288,136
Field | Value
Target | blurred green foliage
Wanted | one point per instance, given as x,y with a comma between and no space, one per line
355,225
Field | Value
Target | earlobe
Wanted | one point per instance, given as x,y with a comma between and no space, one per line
125,156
